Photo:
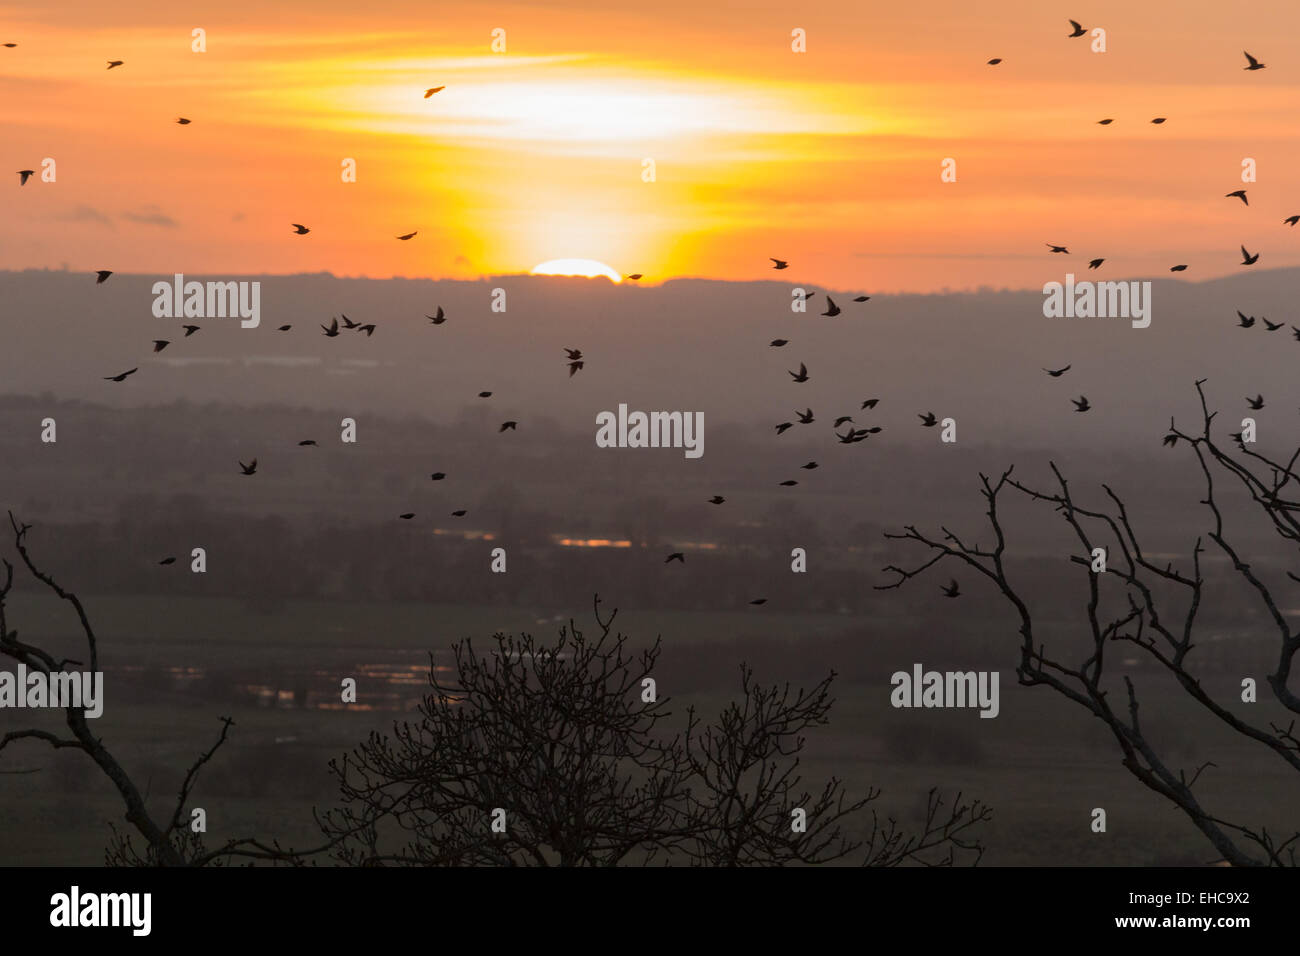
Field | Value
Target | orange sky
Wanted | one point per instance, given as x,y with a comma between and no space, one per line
830,158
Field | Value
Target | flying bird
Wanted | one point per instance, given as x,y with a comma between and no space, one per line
1291,220
348,323
332,329
250,468
1271,326
11,45
369,329
1255,403
995,61
103,276
1251,62
1158,120
780,263
634,276
1246,321
113,63
1181,268
1105,122
871,403
784,425
24,175
928,419
805,417
167,561
573,355
801,376
573,368
299,228
505,425
1081,403
1170,440
841,420
408,516
409,235
120,378
717,500
306,442
284,328
861,298
675,556
832,309
1247,259
758,601
1057,373
438,476
438,319
459,514
1078,31
952,590
484,394
1240,194
434,89
789,483
160,344
810,466
1095,263
182,121
1057,248
190,329
777,343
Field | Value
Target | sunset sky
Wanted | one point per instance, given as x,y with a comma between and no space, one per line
830,158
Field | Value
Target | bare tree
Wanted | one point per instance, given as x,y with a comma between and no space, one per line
1151,608
564,746
166,841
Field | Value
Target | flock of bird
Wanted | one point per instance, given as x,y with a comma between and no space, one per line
575,359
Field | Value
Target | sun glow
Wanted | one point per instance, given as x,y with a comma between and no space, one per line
589,268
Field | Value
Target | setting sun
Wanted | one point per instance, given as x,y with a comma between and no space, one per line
589,268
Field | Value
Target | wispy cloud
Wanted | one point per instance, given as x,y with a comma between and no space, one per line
151,216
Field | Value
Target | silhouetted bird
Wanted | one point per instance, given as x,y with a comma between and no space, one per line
1105,122
717,500
369,329
409,235
1170,440
675,556
1256,403
952,590
306,442
299,228
871,403
780,263
634,276
1296,333
113,63
573,368
784,425
1251,62
1095,263
11,45
1247,259
332,329
832,309
250,468
928,419
459,514
861,298
848,439
802,375
1078,31
438,476
190,329
120,378
789,483
1271,326
1240,194
1081,403
103,276
758,601
1057,248
182,121
995,61
484,394
408,516
841,420
1158,120
284,328
433,89
573,354
1291,220
439,318
805,417
24,175
1057,373
1246,321
160,344
509,425
1182,268
349,324
777,343
810,466
167,561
